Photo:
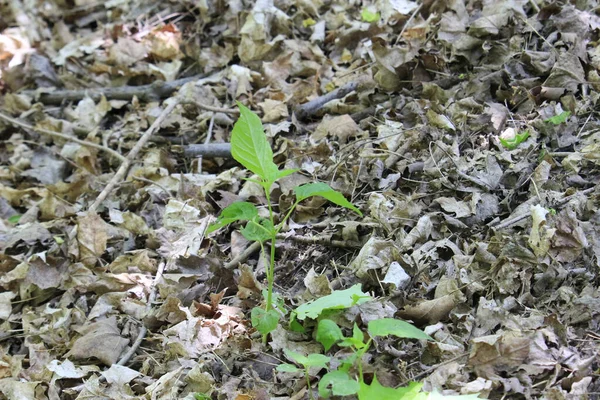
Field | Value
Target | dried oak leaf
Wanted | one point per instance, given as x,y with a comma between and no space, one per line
429,311
92,237
101,340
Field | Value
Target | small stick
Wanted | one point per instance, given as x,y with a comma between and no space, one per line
321,240
143,330
152,92
311,108
213,108
412,16
122,171
207,141
253,248
24,125
211,150
521,217
429,370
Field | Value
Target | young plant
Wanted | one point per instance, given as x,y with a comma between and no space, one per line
249,147
312,360
339,381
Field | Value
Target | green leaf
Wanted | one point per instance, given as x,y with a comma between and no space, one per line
357,340
369,16
396,327
376,391
258,230
323,190
264,321
317,360
559,118
295,325
299,358
249,145
238,211
513,143
14,219
201,396
337,383
328,333
337,300
285,172
312,360
287,368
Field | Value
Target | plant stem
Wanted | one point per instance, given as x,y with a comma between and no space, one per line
271,275
360,353
282,222
271,268
310,393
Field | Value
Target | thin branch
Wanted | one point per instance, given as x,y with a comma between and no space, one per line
412,16
152,92
210,150
322,240
212,108
253,248
151,182
24,125
560,203
312,108
143,330
122,171
429,370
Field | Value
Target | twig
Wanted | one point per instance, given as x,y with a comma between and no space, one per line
24,125
152,92
560,203
208,150
322,240
151,182
122,171
412,16
429,370
207,141
212,108
311,108
143,330
253,248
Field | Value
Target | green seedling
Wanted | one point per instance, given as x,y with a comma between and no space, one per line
338,300
14,219
513,143
340,382
312,360
249,147
368,15
559,118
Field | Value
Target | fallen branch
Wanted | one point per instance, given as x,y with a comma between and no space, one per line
211,108
321,240
210,150
122,171
518,218
312,108
143,330
42,131
253,248
152,92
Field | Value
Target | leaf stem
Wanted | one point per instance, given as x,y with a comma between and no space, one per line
310,393
282,222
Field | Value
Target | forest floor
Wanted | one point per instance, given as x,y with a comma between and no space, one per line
465,132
